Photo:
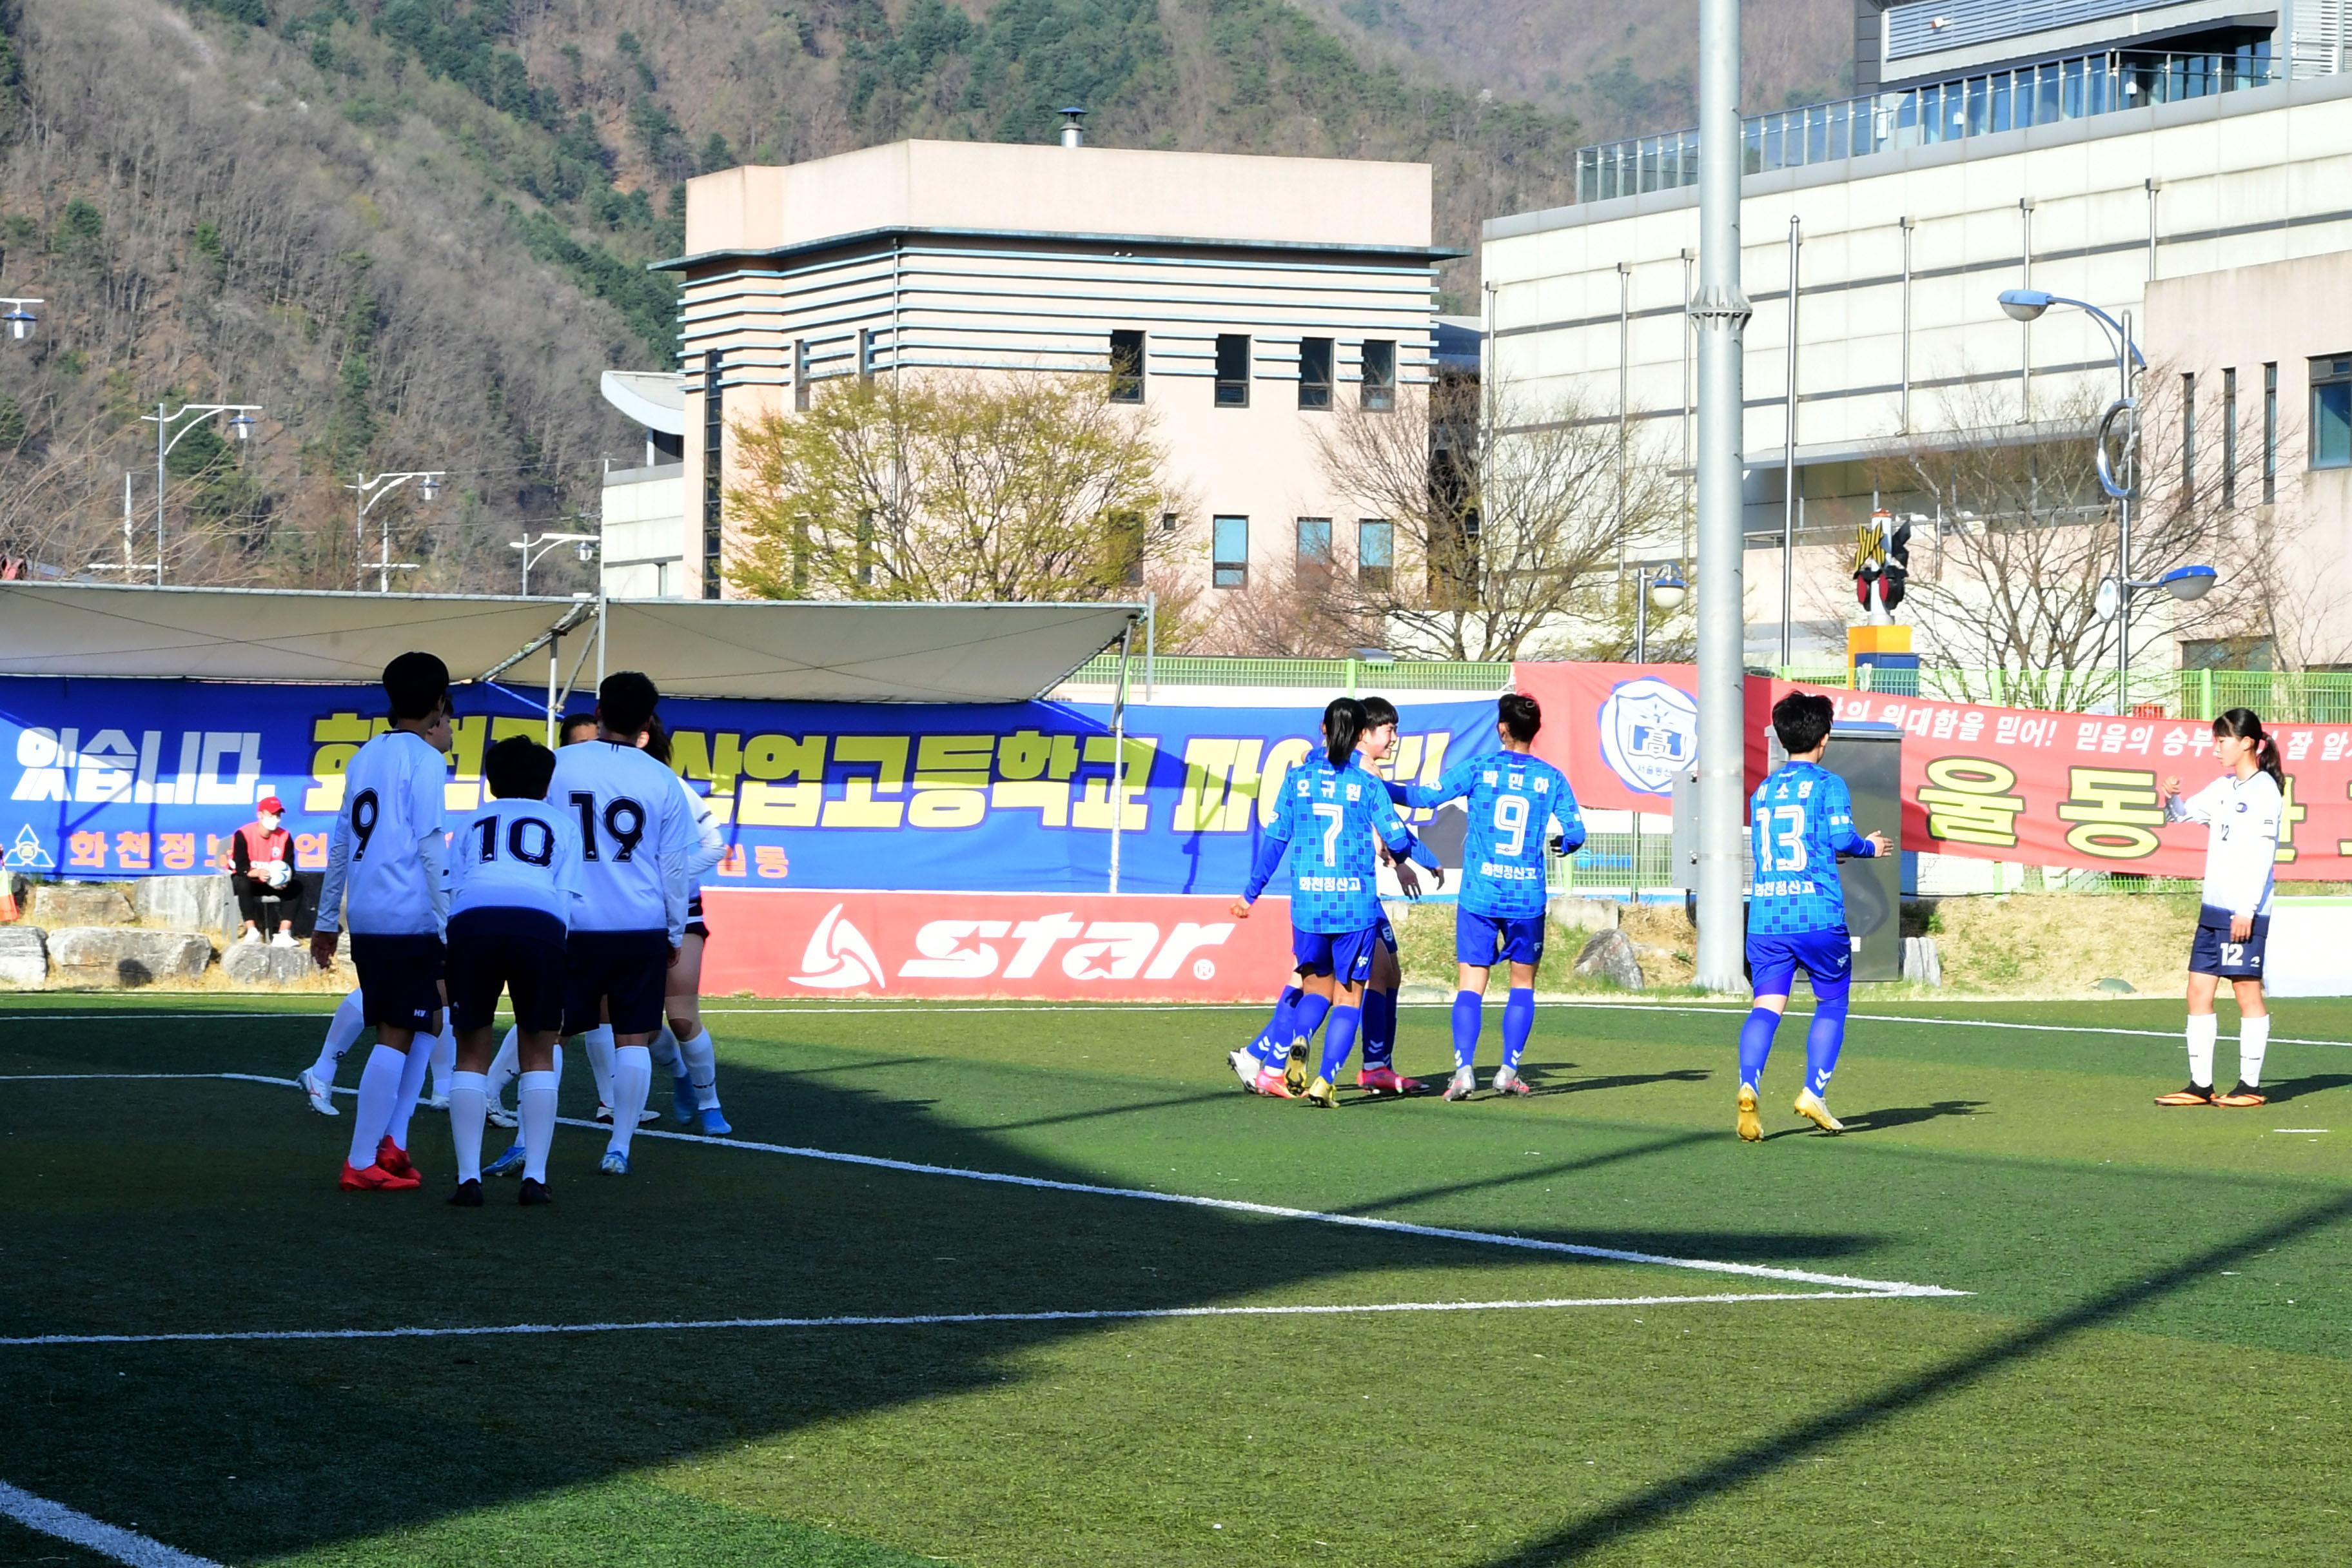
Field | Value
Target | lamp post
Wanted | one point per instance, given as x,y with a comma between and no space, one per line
240,424
537,549
19,314
369,492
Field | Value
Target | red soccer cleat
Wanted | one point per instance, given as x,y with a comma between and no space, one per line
1387,1081
1270,1081
375,1179
391,1157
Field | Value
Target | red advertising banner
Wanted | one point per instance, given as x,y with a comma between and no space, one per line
1027,946
1992,784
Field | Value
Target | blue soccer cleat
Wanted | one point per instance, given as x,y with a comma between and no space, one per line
681,1103
711,1125
510,1163
615,1163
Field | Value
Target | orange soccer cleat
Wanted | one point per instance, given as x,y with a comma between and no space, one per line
375,1179
394,1158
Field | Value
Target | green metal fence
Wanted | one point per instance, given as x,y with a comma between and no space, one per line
1351,677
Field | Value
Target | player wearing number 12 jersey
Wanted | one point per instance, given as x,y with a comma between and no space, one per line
1800,822
638,840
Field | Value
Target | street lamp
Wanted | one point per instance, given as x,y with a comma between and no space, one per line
370,491
19,315
1666,590
195,414
537,549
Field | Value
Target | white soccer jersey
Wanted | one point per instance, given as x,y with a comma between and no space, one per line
386,858
713,844
2242,856
516,854
638,838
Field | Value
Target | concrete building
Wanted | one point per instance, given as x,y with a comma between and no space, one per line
646,550
1943,195
1240,300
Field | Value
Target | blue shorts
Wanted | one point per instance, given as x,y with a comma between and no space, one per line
2212,952
399,978
621,974
1825,956
519,952
1346,956
1477,938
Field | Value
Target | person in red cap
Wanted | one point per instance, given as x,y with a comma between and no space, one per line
261,866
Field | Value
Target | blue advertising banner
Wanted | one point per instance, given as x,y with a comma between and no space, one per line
111,780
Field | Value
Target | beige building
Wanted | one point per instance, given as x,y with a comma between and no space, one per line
1244,298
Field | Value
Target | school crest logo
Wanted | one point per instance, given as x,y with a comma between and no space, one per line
1649,733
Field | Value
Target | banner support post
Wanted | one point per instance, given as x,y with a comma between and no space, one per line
1117,789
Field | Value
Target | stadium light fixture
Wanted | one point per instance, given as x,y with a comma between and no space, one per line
19,315
1667,589
166,437
369,492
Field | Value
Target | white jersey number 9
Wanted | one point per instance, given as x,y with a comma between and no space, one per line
1511,817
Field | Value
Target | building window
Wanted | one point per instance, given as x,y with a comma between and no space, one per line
2331,412
1230,553
1126,367
1380,374
2229,438
2269,433
1168,522
801,388
1375,551
1233,370
865,550
1127,542
868,352
2227,653
1314,372
2189,437
1314,546
714,469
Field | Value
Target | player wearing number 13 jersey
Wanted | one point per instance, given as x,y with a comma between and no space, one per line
637,843
1800,822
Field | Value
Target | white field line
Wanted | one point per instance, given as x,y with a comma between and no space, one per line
930,1320
107,1540
1236,1206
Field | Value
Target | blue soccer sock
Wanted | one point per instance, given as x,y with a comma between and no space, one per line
1273,1040
1756,1045
1379,1029
1338,1039
1822,1043
1518,1023
1306,1016
1469,1013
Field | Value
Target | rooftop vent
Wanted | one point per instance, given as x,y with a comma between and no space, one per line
1074,127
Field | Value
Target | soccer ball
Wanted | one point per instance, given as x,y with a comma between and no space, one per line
277,873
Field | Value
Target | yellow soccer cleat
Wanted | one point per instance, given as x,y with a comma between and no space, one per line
1321,1093
1294,1072
1810,1107
1751,1126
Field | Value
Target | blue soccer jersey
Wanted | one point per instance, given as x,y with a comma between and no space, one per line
1799,821
1513,800
1326,817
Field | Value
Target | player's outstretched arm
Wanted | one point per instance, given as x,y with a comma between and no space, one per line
330,886
1392,832
1567,822
681,841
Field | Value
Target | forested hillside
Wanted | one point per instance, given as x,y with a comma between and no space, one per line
416,230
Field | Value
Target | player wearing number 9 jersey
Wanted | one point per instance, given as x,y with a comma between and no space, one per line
637,843
1800,822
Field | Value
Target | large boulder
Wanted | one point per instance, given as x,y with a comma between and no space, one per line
24,956
1569,913
58,904
188,903
115,957
258,963
1610,954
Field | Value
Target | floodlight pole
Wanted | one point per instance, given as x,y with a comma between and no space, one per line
164,422
369,492
1720,312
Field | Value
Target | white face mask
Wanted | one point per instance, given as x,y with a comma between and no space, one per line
269,822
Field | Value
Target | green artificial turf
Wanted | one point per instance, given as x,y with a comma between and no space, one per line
2152,1366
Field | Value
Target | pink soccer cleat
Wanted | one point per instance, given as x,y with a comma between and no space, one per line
1387,1081
1270,1081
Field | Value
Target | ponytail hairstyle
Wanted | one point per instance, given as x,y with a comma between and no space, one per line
2246,725
657,740
1343,722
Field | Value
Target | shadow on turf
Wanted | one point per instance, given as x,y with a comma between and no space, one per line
2296,1087
1879,1121
251,1235
1663,1500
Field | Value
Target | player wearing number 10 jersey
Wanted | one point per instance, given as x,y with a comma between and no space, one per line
1800,822
638,841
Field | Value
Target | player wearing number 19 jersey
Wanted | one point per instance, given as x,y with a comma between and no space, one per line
1800,822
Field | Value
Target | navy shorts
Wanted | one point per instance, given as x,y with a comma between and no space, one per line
1388,934
519,952
2212,952
1346,956
1825,956
1477,938
621,974
399,978
694,924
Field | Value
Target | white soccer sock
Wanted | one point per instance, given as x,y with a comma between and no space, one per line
469,1105
444,1059
379,1087
342,1029
412,1084
599,1041
2204,1028
633,1079
702,1068
2254,1039
504,1066
664,1051
535,1107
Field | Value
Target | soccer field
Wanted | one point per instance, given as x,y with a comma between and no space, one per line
2016,1314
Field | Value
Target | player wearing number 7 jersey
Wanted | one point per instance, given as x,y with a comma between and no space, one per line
637,842
1800,822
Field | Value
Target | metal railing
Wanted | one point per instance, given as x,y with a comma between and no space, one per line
2012,99
1349,677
